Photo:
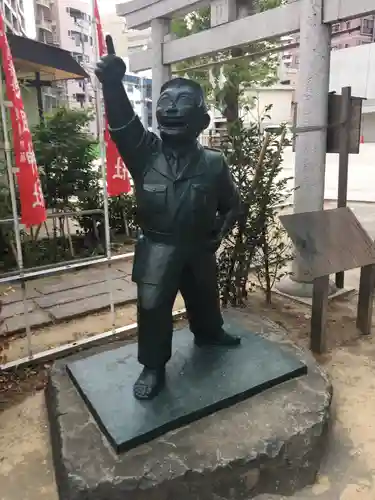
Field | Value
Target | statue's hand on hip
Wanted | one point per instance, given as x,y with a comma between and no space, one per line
110,68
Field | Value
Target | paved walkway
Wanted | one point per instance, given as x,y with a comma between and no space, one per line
69,295
73,294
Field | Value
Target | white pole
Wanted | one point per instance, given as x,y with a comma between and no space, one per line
143,102
100,118
312,111
16,224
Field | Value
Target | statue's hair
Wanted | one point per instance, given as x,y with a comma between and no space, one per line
186,82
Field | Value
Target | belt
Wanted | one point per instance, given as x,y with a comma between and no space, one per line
173,238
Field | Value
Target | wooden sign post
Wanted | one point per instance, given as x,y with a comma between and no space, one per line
327,242
343,138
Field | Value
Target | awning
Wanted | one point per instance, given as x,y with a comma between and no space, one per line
51,62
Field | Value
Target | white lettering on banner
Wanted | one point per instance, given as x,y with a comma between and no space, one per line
15,85
38,195
120,170
29,158
23,125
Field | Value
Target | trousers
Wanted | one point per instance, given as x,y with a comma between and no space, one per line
197,283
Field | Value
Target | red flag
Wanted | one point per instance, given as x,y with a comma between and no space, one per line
33,211
117,174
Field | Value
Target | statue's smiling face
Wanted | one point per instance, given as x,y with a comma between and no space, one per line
179,112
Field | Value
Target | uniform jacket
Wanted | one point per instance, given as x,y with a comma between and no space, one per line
179,206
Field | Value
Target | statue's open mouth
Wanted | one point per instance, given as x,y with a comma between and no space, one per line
172,122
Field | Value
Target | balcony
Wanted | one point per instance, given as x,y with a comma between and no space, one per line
20,7
44,3
44,24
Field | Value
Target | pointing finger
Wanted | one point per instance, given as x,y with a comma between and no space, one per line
110,45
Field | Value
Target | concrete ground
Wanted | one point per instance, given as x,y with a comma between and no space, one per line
361,170
67,296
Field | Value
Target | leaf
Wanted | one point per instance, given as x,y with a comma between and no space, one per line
225,84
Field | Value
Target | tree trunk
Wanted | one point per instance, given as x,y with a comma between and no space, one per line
231,110
231,99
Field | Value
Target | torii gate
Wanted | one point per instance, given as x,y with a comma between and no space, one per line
312,18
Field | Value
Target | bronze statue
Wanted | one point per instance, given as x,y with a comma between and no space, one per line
187,202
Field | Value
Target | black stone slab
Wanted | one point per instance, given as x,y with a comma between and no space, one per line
199,382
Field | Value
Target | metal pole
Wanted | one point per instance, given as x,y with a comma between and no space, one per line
346,99
104,171
16,224
71,265
78,346
39,95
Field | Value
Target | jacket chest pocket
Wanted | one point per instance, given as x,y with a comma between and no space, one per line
199,196
154,197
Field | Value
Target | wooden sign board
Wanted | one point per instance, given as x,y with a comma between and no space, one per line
334,124
328,241
334,127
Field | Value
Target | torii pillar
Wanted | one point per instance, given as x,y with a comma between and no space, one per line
161,72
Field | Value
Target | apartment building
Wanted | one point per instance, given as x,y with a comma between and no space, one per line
116,26
73,30
344,35
14,16
45,22
68,24
139,90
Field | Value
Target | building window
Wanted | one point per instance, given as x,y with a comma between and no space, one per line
367,26
148,89
335,27
78,57
348,25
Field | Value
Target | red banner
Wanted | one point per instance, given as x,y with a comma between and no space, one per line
117,174
33,211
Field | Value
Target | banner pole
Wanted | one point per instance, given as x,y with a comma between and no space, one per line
16,224
100,122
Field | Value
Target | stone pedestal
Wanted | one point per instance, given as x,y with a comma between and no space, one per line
204,437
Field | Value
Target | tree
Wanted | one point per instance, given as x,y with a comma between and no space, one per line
225,83
65,152
258,240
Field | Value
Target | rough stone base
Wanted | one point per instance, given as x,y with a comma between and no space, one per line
271,443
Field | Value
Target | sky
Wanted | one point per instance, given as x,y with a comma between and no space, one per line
104,6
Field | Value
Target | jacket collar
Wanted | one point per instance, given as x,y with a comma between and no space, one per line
195,164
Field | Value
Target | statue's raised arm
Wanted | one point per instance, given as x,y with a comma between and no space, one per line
133,142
